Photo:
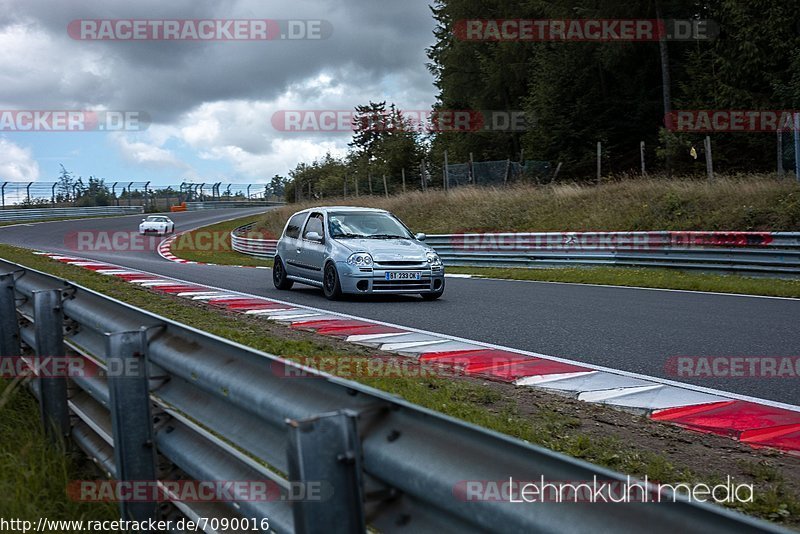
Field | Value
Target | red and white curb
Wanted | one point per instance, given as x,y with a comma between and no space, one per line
757,422
165,251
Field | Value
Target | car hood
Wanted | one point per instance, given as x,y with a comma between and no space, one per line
388,249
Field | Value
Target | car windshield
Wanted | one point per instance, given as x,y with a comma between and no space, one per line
369,225
156,219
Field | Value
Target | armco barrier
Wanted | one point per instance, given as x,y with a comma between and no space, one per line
222,204
196,406
742,252
57,213
242,242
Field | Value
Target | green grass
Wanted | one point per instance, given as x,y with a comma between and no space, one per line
652,278
35,473
212,244
466,400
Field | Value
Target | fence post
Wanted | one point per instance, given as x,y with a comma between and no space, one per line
797,145
49,334
9,327
599,161
779,144
558,170
709,158
344,187
508,170
369,179
130,194
356,184
385,188
641,151
471,169
53,195
28,192
325,451
403,174
3,193
446,173
131,417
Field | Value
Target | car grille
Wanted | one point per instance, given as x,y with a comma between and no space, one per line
401,285
402,264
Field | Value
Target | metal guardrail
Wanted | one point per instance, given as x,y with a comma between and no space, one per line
213,410
741,252
252,246
223,204
54,213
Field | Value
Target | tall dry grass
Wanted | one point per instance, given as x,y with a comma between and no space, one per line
733,203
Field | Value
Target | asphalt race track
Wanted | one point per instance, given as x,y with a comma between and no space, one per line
623,328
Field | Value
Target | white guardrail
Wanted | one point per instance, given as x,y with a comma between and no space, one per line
58,213
765,253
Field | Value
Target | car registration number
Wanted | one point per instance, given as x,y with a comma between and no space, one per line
403,275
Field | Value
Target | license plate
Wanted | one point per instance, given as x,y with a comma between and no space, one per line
404,275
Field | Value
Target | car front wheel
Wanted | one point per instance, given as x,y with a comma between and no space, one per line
279,275
330,283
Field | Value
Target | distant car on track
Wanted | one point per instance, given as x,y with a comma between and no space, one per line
156,224
356,250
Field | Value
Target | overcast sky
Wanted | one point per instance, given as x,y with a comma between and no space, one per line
210,102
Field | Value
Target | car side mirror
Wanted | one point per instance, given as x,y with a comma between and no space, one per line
314,236
420,237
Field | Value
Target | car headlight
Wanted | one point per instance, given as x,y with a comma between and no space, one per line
434,259
360,259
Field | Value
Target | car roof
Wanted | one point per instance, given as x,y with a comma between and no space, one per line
328,209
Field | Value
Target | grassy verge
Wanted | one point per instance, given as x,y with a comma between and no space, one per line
34,473
653,278
212,244
625,444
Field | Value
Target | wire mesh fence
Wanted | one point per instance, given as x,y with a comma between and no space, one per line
153,197
497,173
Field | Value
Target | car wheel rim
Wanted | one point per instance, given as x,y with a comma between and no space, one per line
278,271
330,279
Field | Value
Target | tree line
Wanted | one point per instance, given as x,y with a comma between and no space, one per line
576,94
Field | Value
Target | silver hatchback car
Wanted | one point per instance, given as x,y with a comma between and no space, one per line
356,250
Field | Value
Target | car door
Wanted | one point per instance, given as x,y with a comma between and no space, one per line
312,252
290,248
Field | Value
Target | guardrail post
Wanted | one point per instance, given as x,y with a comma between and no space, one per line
49,324
131,417
325,461
9,327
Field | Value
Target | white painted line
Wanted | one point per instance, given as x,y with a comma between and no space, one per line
369,337
264,312
218,296
392,347
637,288
541,379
